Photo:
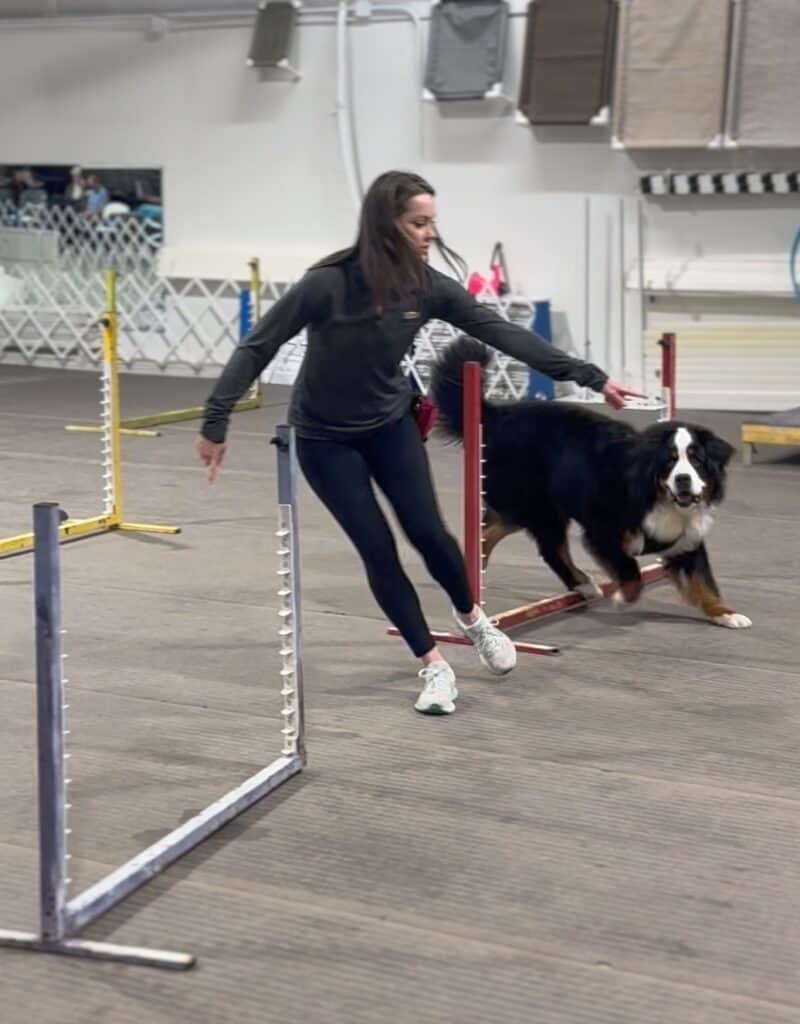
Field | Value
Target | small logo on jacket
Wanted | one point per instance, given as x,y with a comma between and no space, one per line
412,314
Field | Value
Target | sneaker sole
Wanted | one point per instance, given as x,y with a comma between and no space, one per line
435,709
497,671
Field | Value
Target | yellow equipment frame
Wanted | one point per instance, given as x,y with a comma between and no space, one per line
137,425
111,518
764,433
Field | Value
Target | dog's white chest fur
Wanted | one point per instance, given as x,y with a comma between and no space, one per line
683,529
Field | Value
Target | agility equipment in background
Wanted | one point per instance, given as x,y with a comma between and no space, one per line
466,49
541,386
111,518
249,313
782,428
668,375
473,510
568,61
61,918
671,68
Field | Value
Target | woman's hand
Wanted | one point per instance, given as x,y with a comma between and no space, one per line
211,455
617,394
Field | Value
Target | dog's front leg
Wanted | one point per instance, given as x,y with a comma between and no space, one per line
624,570
691,573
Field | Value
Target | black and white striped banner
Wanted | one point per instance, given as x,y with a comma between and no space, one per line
730,183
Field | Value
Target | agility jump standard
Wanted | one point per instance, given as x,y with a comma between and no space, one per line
60,918
249,308
473,516
111,517
668,375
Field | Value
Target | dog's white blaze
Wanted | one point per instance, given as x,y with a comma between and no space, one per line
683,467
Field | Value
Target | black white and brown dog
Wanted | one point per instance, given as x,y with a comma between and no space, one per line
632,492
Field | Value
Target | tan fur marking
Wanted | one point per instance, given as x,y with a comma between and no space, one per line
698,594
493,532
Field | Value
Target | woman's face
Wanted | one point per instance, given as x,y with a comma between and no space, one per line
418,224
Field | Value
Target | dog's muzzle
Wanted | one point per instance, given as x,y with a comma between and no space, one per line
680,488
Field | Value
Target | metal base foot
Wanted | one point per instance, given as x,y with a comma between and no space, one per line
137,955
76,428
147,528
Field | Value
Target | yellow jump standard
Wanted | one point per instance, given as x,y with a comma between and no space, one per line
111,518
138,425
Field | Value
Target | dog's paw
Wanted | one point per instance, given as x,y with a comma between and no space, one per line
589,589
732,620
618,601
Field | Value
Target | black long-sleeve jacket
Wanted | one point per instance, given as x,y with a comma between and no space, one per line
350,380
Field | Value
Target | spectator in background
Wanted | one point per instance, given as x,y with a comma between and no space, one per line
26,187
96,196
76,188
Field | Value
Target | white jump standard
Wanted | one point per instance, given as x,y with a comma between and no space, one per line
61,918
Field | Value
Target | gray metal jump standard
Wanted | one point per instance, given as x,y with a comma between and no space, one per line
61,918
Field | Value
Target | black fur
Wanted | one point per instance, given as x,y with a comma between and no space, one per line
550,462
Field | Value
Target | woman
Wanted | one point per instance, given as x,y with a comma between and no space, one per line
351,407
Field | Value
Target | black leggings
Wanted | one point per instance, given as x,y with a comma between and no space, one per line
341,474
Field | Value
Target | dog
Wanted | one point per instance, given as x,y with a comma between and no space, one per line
632,492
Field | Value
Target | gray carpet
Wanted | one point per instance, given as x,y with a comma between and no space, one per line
609,837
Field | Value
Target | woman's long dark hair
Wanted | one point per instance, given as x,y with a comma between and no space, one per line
391,267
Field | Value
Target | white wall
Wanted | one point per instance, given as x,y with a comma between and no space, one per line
252,163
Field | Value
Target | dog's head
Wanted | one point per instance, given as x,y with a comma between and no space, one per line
683,464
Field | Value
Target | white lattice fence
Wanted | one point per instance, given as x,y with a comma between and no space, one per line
51,318
507,378
87,244
167,325
188,326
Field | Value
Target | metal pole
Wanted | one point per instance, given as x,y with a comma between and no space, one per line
667,343
587,263
255,288
255,316
623,359
49,721
112,450
472,478
245,312
642,300
293,635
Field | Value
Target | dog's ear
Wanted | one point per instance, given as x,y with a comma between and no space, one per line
717,451
644,472
716,456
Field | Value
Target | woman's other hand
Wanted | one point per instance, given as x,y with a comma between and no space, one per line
617,394
211,455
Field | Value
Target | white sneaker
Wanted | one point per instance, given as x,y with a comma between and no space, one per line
494,648
439,692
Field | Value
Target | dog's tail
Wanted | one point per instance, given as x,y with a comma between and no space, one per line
447,387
